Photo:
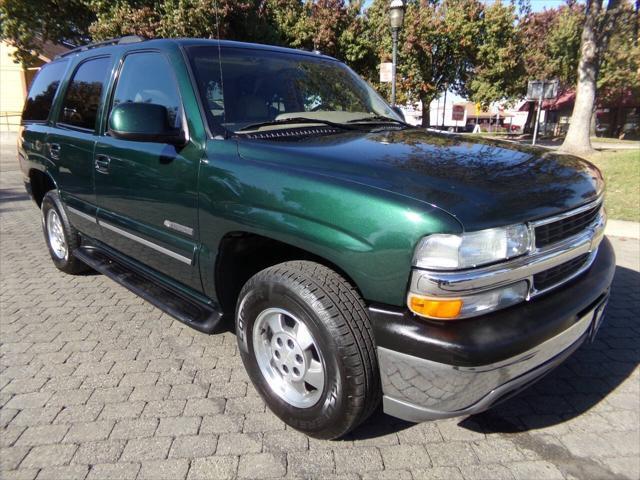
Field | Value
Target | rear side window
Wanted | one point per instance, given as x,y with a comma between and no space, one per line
42,91
84,94
148,77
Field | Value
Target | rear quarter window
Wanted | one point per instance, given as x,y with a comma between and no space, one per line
42,92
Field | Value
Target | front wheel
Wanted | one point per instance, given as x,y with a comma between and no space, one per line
306,342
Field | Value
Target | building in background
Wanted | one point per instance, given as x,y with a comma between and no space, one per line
15,80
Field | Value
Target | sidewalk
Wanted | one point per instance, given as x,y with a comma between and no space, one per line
555,143
623,228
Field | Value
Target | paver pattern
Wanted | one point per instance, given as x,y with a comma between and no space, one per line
95,383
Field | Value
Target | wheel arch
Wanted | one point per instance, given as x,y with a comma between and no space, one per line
242,254
41,183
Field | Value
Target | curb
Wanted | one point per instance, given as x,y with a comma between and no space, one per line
623,228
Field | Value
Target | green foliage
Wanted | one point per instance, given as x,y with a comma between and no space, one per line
29,24
563,44
619,76
116,19
499,72
486,50
552,43
438,46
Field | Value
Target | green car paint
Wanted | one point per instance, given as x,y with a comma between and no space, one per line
360,200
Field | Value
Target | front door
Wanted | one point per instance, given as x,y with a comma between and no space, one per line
147,192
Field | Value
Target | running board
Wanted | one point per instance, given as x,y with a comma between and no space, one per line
196,314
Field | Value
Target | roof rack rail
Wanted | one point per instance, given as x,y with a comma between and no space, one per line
113,41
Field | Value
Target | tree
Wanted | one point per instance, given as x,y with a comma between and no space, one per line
599,22
619,77
552,40
28,24
116,19
499,71
437,49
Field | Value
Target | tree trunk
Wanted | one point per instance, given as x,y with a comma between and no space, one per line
426,111
592,126
531,116
577,140
593,42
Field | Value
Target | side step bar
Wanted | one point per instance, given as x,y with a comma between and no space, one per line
198,315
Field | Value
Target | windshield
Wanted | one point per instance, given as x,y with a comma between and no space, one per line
268,89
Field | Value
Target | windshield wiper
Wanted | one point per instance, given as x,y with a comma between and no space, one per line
378,119
293,120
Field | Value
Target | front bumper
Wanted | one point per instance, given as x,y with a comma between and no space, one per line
438,369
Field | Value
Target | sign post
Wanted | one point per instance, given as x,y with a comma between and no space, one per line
537,90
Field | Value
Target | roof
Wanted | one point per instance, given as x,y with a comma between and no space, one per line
189,42
50,50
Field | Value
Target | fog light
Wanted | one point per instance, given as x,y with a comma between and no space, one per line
468,305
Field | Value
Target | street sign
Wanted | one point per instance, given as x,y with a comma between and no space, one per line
538,90
386,69
545,89
458,113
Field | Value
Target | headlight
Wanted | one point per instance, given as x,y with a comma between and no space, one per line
472,249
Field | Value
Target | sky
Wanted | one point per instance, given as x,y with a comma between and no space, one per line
536,5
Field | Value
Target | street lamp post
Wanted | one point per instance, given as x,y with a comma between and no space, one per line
396,17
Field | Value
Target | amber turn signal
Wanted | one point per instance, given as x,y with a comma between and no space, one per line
441,309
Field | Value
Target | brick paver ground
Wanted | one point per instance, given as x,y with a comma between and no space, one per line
95,383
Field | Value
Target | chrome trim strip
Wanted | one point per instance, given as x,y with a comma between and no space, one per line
86,216
585,266
178,227
567,214
147,243
452,283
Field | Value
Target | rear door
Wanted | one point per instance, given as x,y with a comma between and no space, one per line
32,148
70,144
147,191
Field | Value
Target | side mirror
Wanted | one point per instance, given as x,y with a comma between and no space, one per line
144,122
399,112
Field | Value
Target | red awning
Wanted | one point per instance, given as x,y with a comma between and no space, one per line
564,100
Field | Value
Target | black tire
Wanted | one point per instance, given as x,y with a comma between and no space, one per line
336,316
69,264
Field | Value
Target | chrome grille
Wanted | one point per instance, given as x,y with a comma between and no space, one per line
559,274
561,229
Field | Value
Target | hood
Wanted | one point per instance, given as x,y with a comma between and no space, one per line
483,183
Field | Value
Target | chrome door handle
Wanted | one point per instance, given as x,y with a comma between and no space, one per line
54,150
102,163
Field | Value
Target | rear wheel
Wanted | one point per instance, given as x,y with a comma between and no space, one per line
306,342
61,237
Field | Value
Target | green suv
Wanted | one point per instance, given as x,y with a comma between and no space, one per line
359,258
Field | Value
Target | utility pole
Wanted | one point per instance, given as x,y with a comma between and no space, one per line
535,128
396,18
444,107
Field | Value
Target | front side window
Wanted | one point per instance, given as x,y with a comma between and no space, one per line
84,94
42,91
148,77
243,87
